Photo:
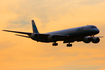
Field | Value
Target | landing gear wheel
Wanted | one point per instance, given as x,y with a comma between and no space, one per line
55,44
69,45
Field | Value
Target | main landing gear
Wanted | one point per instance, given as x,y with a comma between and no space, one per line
69,45
55,44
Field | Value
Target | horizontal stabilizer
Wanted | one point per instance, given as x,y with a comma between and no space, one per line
18,32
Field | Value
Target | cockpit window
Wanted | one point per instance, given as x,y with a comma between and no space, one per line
93,27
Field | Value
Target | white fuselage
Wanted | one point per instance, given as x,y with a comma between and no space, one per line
83,29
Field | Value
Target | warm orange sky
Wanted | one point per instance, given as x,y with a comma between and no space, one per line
17,53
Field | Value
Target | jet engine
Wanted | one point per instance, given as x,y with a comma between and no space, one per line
87,40
95,40
51,37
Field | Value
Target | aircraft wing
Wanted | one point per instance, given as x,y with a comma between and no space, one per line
46,36
22,36
41,36
18,32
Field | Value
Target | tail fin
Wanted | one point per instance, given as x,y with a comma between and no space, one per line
35,30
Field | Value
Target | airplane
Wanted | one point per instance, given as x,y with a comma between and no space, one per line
83,33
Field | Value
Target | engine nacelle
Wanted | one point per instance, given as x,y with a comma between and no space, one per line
87,40
51,37
95,40
34,36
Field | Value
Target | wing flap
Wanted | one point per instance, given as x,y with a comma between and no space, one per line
22,36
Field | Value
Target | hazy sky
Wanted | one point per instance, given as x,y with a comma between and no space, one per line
17,53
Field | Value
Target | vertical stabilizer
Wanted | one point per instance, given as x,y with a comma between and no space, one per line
35,30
